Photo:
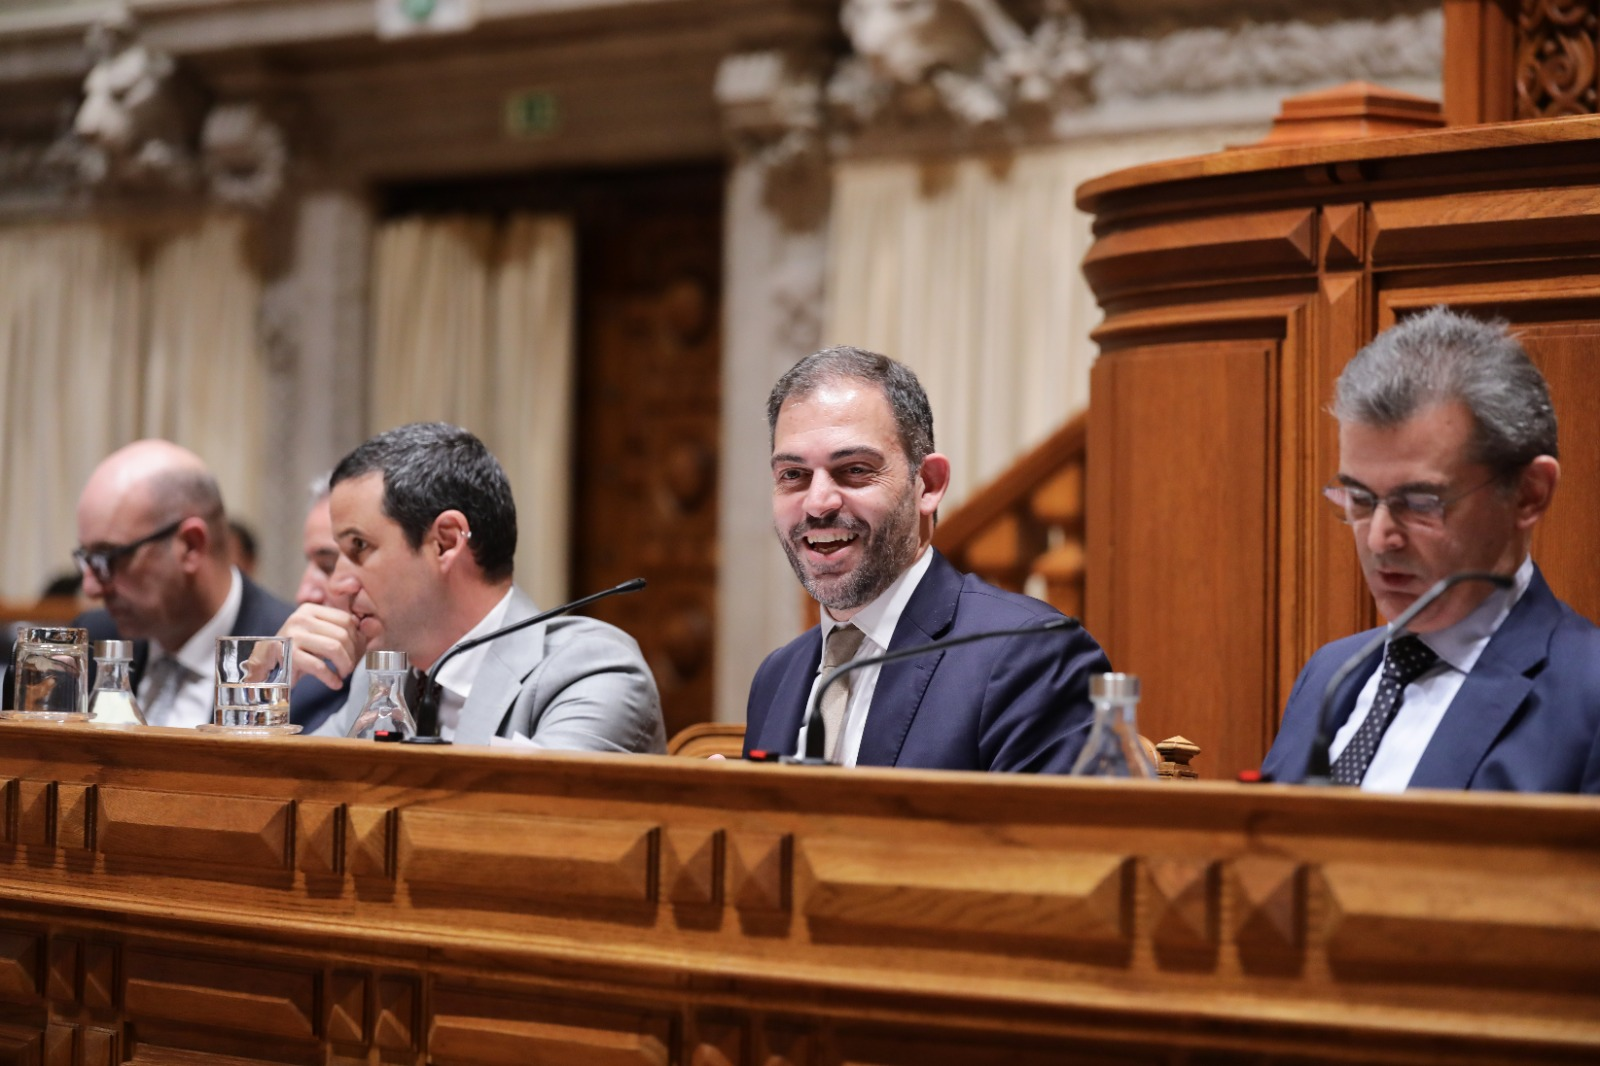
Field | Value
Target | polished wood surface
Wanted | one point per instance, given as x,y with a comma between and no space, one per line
1023,531
1236,286
649,429
167,897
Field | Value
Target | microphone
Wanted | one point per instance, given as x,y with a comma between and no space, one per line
815,739
1318,763
428,699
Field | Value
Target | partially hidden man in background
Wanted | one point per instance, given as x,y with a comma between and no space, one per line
153,546
427,529
856,485
1447,462
325,634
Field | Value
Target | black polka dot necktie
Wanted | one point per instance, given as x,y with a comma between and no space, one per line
1404,660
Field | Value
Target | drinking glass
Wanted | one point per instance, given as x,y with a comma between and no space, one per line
253,685
51,667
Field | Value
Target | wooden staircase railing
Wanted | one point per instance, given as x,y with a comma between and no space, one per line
1024,530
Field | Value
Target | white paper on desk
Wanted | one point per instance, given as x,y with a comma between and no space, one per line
515,740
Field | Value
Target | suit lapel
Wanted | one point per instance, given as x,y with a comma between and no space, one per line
505,665
785,714
897,697
1492,693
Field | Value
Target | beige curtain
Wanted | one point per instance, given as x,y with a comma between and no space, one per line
100,345
205,378
968,271
473,324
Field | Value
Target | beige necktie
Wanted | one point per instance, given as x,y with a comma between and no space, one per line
843,643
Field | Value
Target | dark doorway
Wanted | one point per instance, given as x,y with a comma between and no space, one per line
649,340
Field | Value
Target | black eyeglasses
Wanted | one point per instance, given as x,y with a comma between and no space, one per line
1420,509
102,562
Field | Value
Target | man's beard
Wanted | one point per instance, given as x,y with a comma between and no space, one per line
885,554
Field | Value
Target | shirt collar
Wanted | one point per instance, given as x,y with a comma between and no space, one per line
1461,644
878,619
457,674
198,654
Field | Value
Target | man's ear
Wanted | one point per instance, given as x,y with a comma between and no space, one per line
935,474
195,537
450,536
1536,487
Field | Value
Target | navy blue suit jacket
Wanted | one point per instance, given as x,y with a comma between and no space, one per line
1527,718
1015,703
260,614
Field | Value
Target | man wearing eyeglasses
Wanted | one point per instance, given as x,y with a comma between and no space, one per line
153,539
1447,462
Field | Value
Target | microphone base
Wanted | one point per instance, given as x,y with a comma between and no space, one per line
425,740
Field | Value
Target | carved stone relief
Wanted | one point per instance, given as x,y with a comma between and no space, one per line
968,71
144,128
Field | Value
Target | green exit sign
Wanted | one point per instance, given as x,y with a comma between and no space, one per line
531,113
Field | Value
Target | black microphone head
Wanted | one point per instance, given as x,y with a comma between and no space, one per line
630,586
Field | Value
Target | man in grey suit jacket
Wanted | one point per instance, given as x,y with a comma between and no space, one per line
427,529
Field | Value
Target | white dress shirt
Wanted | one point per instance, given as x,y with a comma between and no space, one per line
1428,697
188,700
877,621
455,678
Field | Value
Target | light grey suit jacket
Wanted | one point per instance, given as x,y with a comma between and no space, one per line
568,684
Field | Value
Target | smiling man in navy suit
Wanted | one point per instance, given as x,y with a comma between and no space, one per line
856,485
1447,462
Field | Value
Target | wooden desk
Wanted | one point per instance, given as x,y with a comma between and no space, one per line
167,897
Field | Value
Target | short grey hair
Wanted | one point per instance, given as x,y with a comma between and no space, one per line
913,415
1443,356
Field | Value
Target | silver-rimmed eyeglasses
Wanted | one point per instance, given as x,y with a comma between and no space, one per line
1415,508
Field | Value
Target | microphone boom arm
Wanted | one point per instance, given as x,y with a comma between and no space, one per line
543,616
1318,763
814,728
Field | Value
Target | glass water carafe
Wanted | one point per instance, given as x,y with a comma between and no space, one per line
386,715
112,701
1114,748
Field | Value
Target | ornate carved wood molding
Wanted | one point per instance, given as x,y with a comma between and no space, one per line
1556,69
171,897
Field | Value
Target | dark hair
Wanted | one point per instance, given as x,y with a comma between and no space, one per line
1442,356
244,538
913,416
431,467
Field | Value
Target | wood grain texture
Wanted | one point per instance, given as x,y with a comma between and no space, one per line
1215,569
803,916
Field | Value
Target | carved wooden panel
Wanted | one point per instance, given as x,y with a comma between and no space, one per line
222,992
1556,69
1231,246
591,861
795,916
19,964
473,1026
222,831
1191,614
1499,221
1512,224
650,341
955,893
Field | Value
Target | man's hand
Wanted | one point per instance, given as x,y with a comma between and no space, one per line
327,642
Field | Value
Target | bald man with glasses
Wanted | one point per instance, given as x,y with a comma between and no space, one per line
153,548
1447,462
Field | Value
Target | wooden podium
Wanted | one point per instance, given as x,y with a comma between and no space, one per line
167,897
1235,287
